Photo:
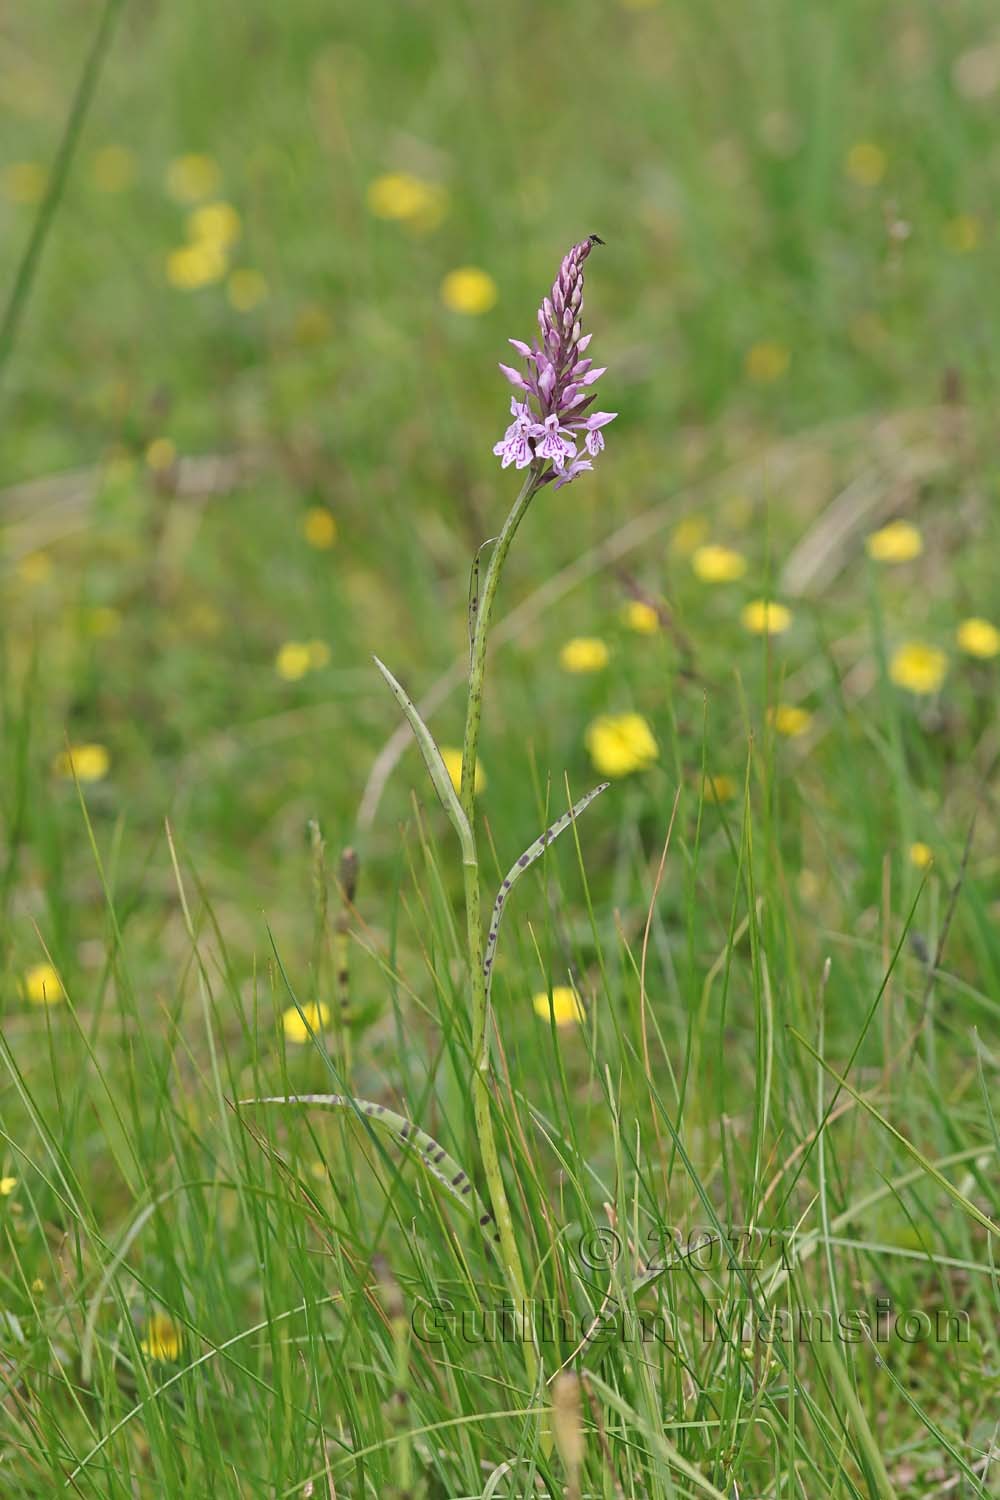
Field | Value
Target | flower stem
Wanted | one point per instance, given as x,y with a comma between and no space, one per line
481,1094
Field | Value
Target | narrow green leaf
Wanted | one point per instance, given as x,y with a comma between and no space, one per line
435,765
534,851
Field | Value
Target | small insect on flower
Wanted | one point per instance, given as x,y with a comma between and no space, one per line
566,1007
619,744
584,653
978,637
918,668
897,542
163,1339
453,765
550,413
42,985
299,1026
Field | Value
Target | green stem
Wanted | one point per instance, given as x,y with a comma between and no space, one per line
481,1094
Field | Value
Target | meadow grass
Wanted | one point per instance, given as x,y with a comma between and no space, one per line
774,1115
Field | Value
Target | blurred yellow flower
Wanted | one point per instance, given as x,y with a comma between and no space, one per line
566,1007
917,667
246,289
297,1027
978,638
620,744
24,182
688,534
87,762
866,163
36,567
216,223
584,653
113,169
411,200
43,986
190,267
319,528
719,788
192,177
453,765
102,620
963,234
765,617
311,326
161,454
897,542
921,855
7,1186
641,617
163,1338
319,655
790,720
469,290
767,362
292,661
713,564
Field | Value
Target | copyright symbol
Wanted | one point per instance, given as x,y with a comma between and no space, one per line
599,1247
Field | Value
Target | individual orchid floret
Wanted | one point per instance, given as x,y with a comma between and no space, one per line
557,383
514,447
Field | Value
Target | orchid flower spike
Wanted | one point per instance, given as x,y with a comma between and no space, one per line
556,385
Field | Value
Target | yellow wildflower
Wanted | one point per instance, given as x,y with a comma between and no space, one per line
641,617
765,617
192,177
86,762
292,661
35,568
113,169
767,361
566,1007
620,744
978,638
42,985
917,667
319,655
163,1338
102,620
453,765
215,224
584,653
719,788
24,182
688,534
713,564
161,454
866,164
963,234
921,855
246,289
319,528
298,1026
897,542
790,720
7,1186
469,290
410,200
190,267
